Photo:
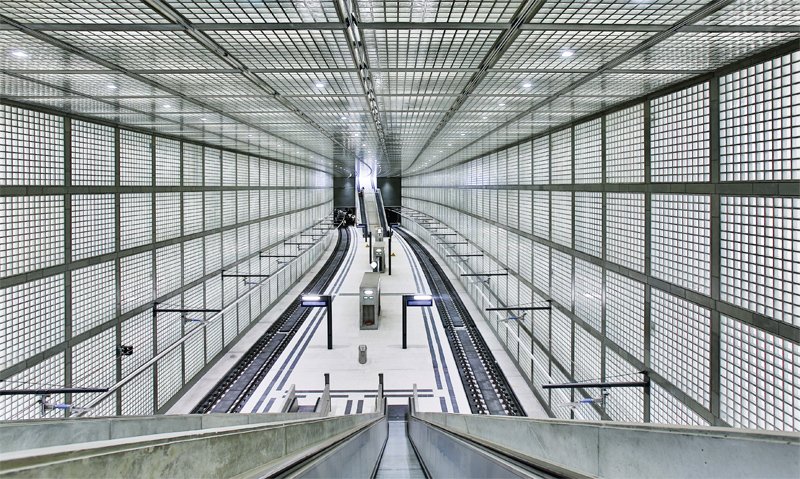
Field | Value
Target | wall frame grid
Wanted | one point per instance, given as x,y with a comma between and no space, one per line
690,214
104,282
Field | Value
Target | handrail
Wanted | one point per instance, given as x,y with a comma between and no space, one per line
202,326
291,465
506,454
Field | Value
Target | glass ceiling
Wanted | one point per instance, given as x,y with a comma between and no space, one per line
408,85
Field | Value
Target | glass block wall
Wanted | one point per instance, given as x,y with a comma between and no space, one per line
99,222
666,236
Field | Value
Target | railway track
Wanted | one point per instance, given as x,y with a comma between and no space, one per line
488,391
232,392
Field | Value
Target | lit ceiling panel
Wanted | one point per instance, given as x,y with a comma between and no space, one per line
281,49
704,50
625,12
238,11
756,12
428,48
96,12
434,11
556,50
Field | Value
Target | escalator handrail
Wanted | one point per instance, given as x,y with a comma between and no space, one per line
297,461
538,465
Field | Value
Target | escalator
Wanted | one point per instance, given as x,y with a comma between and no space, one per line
399,459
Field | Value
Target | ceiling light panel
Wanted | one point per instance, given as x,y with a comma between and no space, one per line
418,102
627,84
500,83
428,48
435,11
544,49
85,12
208,84
421,83
144,50
16,88
483,103
38,55
305,83
756,12
630,12
282,49
704,51
99,84
216,11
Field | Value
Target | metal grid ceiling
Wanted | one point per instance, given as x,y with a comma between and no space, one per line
400,86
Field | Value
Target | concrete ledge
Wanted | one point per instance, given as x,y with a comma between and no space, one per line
215,452
22,435
625,450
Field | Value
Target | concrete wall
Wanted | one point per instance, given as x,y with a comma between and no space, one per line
391,190
344,192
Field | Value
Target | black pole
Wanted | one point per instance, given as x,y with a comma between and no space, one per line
329,311
624,384
405,319
369,235
390,255
39,392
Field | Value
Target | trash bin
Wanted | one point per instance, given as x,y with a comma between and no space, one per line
362,354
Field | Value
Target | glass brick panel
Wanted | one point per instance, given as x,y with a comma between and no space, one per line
759,264
31,148
92,154
680,344
562,339
625,313
625,145
168,162
541,214
32,236
94,296
589,293
587,356
33,319
562,279
135,212
93,225
623,404
561,157
589,223
681,240
562,217
625,229
541,161
137,332
588,152
665,409
680,136
137,280
135,158
759,117
168,216
755,365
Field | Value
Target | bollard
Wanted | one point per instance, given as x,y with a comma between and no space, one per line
362,354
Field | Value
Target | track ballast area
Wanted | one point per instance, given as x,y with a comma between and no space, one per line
488,390
232,391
